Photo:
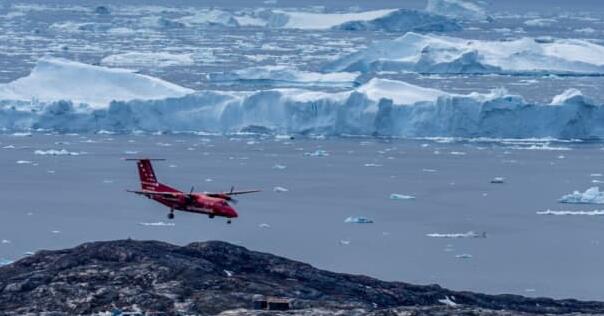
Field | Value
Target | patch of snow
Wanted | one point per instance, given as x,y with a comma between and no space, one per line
447,301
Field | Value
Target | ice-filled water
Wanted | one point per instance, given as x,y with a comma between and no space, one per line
514,246
421,141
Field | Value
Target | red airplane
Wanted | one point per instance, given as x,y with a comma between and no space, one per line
212,204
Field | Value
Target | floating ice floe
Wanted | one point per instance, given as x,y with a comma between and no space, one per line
445,54
372,165
572,213
344,242
464,256
317,153
280,189
148,59
55,152
24,162
592,195
286,75
358,220
279,167
379,107
469,234
395,196
264,225
498,180
460,9
5,241
156,224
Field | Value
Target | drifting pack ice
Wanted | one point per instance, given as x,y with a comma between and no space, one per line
433,54
121,101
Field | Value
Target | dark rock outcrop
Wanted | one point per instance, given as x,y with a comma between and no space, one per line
211,277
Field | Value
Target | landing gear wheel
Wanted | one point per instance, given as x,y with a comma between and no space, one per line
171,215
228,221
211,216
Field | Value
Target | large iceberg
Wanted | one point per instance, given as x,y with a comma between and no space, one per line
56,79
286,75
79,98
461,9
452,55
390,20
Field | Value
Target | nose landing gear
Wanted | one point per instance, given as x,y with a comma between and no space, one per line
171,214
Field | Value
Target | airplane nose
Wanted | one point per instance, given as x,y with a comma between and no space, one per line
232,212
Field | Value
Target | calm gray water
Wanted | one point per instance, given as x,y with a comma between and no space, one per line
61,201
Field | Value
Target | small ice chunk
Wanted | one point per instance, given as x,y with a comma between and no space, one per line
228,273
9,147
5,241
570,213
429,170
372,165
469,234
155,224
458,153
24,162
592,195
264,225
280,189
358,220
464,256
317,153
395,196
595,175
344,242
55,152
279,167
56,231
447,301
130,152
498,180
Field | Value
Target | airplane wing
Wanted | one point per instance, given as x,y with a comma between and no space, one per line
153,193
241,192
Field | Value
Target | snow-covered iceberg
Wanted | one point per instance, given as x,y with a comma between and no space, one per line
55,79
98,98
403,20
390,20
286,75
461,9
592,195
452,55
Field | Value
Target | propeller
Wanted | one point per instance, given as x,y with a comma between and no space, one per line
189,197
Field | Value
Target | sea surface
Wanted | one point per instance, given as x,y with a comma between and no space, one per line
57,201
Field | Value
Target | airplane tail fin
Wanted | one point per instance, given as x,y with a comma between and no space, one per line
147,176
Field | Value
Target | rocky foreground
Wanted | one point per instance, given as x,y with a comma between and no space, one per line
209,278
